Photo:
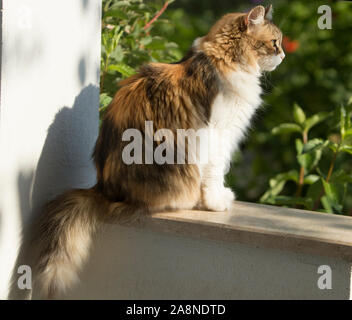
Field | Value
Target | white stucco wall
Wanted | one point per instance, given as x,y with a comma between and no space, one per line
128,263
50,58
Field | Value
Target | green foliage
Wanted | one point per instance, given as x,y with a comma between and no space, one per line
128,41
314,189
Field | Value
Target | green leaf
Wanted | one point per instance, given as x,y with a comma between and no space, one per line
347,149
313,145
333,146
348,116
278,183
171,45
320,172
286,128
121,3
290,201
315,119
157,43
309,160
341,176
309,154
276,189
123,68
311,179
291,175
330,191
334,196
315,191
299,114
349,103
342,121
146,40
117,54
119,14
347,141
104,100
327,204
299,146
348,133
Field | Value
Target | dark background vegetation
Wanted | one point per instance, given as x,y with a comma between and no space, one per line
315,80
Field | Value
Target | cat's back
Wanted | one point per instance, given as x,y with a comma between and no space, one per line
171,95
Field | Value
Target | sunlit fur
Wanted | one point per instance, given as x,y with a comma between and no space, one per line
215,87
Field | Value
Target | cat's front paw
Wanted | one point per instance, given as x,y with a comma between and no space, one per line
217,199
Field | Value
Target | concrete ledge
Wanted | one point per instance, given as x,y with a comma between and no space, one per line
252,252
262,226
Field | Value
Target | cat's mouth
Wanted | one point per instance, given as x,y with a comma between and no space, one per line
271,63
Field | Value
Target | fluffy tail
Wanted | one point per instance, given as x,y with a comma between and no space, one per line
64,236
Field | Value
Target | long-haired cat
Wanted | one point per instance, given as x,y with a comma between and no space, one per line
215,87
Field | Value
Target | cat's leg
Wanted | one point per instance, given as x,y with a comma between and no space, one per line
215,196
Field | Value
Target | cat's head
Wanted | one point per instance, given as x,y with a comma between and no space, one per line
248,40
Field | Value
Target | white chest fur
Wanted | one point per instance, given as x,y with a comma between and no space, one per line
233,108
236,102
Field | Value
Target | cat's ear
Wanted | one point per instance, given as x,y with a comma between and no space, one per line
269,12
255,17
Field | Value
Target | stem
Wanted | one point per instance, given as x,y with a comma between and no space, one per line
301,171
300,182
331,169
305,137
104,72
157,15
107,5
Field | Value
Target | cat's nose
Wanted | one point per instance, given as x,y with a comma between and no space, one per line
282,55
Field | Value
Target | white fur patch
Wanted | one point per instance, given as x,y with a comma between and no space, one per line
269,63
232,110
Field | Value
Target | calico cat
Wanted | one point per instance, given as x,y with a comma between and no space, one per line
215,87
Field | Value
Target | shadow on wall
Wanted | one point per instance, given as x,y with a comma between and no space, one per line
65,163
85,4
24,184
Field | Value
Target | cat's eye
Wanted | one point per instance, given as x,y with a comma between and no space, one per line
274,43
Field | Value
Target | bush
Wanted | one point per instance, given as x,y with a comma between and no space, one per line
315,189
128,41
